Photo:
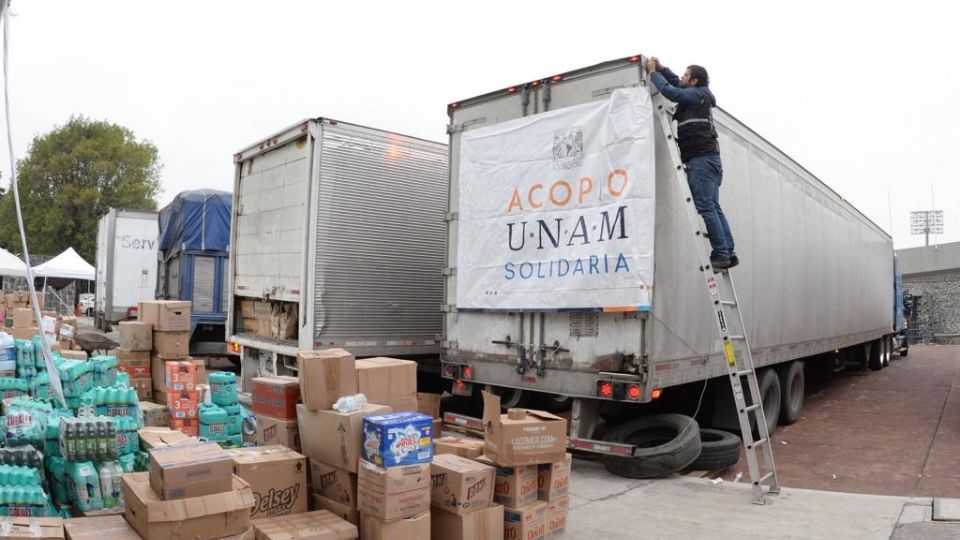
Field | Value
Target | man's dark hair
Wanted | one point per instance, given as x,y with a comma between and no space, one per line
700,74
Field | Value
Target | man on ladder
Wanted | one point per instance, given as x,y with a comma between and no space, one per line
699,151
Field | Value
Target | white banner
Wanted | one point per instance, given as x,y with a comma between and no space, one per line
557,209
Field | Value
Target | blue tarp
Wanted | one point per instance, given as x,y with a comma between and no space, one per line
196,220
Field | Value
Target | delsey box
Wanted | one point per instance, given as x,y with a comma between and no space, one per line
460,485
197,518
185,471
483,524
154,414
319,525
344,512
278,477
394,493
428,404
514,487
136,335
333,437
527,523
161,437
556,517
278,431
276,396
42,528
382,379
99,528
554,479
461,446
325,376
395,439
412,528
166,315
171,345
522,436
332,483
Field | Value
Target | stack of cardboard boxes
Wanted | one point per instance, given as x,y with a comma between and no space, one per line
462,497
25,323
18,300
133,356
275,406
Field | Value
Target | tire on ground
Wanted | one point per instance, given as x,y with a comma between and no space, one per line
718,450
667,443
792,388
875,356
770,397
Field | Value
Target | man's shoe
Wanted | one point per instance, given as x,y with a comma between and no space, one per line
720,263
734,260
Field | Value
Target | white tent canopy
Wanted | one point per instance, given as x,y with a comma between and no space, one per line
11,265
67,265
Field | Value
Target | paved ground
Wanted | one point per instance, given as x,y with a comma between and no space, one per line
892,432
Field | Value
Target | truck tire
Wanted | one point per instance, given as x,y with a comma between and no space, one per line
666,443
510,398
770,397
718,450
554,403
887,350
875,356
792,389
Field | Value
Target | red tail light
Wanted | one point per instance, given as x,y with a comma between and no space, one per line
633,392
467,372
605,389
448,370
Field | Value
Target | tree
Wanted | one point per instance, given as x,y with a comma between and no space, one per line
70,177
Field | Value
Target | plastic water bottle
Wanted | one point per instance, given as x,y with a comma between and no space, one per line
106,485
348,404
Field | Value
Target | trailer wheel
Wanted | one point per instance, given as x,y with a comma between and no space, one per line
665,443
792,388
887,349
770,397
875,355
718,450
510,398
554,403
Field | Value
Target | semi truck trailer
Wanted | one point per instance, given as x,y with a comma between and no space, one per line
126,264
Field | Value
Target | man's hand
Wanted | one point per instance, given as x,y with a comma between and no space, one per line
651,65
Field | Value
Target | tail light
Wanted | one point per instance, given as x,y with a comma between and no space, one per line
657,392
621,390
633,392
233,348
467,372
605,389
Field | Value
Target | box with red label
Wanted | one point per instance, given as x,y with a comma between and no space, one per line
514,487
180,375
143,386
276,396
187,426
556,517
554,479
394,493
527,523
460,485
183,404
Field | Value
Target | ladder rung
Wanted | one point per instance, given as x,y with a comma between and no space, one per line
737,337
757,443
751,408
766,476
728,302
744,372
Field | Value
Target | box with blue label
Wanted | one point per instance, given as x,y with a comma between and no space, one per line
395,439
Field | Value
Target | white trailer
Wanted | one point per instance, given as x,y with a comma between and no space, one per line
127,242
816,276
341,227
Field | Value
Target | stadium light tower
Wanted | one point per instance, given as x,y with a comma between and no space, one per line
926,222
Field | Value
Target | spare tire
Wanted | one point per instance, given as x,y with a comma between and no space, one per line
666,443
718,450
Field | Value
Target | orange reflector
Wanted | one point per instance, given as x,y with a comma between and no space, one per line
511,90
606,389
535,83
459,385
634,59
556,78
656,393
634,392
467,372
454,105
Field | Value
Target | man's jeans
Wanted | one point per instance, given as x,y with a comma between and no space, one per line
705,174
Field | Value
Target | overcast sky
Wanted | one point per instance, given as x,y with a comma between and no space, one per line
865,98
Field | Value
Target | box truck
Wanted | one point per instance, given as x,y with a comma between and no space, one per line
337,240
126,264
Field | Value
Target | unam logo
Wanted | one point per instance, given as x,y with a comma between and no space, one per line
568,148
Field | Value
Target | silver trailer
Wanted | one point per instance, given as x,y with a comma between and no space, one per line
127,243
342,223
816,277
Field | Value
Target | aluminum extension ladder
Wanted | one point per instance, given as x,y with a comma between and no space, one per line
726,314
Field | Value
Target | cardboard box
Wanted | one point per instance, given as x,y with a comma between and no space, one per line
528,523
186,471
183,404
179,375
198,518
387,378
143,386
553,480
159,396
99,528
67,328
134,363
514,487
153,414
556,517
278,477
41,528
319,525
394,493
332,483
23,318
276,396
411,528
428,404
401,404
166,315
462,446
23,333
279,431
136,335
333,437
483,524
171,345
460,485
187,426
325,376
342,511
160,437
397,438
255,309
72,355
522,436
